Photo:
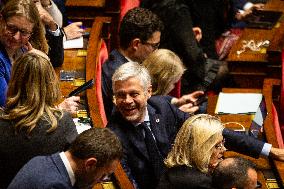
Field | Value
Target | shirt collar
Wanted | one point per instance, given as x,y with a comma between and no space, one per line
68,168
146,118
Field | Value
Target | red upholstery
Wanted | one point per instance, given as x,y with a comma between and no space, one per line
176,92
126,5
277,127
103,56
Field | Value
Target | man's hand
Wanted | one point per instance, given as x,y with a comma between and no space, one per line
258,6
242,14
185,103
189,98
70,104
45,3
46,18
189,108
277,153
73,30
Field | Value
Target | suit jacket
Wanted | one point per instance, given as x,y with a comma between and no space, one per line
165,121
42,172
56,51
17,149
183,177
115,60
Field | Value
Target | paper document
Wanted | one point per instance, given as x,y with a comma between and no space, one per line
73,43
238,103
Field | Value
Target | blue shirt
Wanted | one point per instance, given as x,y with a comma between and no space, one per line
5,73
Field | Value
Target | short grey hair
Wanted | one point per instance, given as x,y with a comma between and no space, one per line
132,69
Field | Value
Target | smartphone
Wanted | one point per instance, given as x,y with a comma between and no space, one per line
200,100
82,88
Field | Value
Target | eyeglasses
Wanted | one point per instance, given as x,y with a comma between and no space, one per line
221,145
12,30
153,45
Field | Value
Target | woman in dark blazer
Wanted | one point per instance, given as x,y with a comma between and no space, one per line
198,148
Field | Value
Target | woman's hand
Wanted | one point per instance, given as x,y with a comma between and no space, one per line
70,104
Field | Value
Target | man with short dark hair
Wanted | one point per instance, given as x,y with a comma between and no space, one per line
139,35
235,173
93,155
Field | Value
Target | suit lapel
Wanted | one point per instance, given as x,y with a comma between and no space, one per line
158,130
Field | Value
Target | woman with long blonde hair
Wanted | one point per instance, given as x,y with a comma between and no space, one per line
31,124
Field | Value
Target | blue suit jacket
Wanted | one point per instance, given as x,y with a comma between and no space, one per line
42,172
165,120
115,60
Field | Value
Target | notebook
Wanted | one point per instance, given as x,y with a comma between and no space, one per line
263,19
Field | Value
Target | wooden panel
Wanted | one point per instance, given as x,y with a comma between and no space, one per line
87,10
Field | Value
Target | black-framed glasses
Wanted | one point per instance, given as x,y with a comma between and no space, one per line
153,45
12,30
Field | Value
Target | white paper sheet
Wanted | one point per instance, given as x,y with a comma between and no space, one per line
238,103
74,43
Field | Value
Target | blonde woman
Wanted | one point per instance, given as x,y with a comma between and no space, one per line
166,69
31,124
198,148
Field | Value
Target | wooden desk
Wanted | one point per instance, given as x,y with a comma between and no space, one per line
263,164
250,68
87,10
87,64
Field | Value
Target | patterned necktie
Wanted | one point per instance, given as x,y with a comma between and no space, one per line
153,151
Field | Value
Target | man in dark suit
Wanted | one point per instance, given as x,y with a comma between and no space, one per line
135,107
93,155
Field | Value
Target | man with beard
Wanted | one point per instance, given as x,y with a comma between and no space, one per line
147,127
93,155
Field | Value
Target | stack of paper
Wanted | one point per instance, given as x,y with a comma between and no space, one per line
238,103
74,43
